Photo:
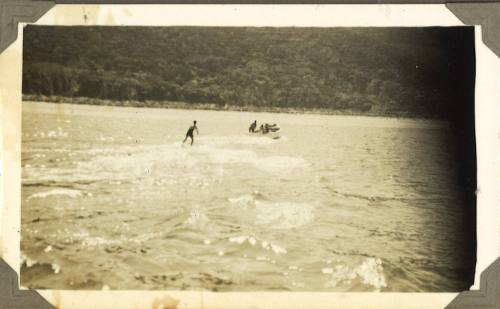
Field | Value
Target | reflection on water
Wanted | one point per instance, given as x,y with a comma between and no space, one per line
111,197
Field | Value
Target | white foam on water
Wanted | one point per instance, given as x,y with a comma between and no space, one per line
369,272
86,239
51,133
258,140
280,163
98,151
270,164
144,237
277,215
263,258
327,270
227,156
67,192
106,139
129,163
244,201
283,215
293,267
277,249
57,133
56,268
122,164
94,241
197,218
239,239
175,155
29,262
51,150
254,241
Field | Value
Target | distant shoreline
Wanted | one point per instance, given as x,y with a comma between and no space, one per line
213,107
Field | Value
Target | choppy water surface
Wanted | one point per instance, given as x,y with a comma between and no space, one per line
110,198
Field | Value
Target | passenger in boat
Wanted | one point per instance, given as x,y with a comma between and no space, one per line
262,129
265,129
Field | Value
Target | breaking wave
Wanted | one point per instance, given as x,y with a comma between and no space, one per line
67,192
370,272
30,263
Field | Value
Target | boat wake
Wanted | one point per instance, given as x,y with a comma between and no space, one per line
125,163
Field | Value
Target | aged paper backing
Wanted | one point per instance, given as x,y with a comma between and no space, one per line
487,115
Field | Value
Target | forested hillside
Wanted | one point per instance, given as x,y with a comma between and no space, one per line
418,72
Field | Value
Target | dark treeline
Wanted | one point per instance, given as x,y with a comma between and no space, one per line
417,72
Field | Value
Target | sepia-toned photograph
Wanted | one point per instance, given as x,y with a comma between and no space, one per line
248,159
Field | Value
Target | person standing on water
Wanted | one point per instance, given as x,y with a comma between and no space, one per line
190,133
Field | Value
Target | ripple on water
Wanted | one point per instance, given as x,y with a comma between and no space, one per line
278,215
266,245
197,219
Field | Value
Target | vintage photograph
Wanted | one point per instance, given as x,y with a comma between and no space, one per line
248,159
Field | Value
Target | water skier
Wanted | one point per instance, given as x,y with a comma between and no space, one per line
253,126
190,133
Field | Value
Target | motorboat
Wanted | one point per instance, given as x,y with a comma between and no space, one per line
268,130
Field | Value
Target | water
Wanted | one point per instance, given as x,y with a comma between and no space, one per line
111,199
